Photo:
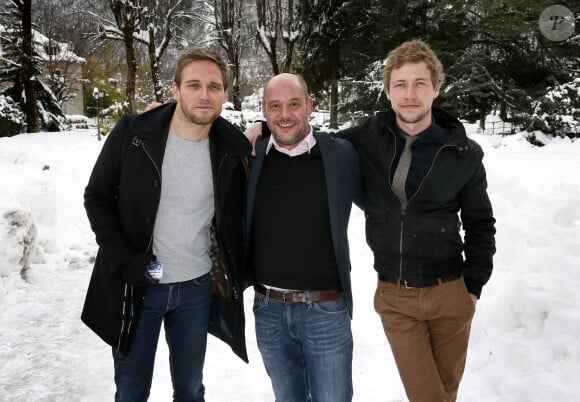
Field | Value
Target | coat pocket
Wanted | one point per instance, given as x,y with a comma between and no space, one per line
221,280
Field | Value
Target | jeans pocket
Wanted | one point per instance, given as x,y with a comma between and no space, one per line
202,280
259,302
337,306
118,355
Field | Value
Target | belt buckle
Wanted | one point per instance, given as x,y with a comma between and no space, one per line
290,296
407,285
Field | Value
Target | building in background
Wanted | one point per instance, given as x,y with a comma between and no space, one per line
62,72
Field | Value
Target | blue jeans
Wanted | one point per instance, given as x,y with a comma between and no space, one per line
306,348
183,307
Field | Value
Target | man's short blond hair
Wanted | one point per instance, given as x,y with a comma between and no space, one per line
414,51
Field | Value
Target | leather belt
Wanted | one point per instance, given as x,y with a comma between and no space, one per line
300,296
422,283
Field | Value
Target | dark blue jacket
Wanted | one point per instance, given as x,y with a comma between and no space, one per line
343,185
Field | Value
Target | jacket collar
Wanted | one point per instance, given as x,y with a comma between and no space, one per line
457,134
153,123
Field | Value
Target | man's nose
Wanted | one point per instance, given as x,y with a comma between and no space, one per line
204,93
410,91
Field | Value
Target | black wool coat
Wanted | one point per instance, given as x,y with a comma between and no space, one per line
121,200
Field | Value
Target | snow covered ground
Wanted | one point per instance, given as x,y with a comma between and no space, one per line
524,344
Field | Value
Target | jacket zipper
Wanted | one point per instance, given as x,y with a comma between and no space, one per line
404,207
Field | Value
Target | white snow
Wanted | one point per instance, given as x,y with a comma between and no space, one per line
524,344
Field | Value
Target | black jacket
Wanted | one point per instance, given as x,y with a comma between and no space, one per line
121,200
423,241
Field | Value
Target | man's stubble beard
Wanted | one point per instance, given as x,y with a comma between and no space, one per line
300,135
190,117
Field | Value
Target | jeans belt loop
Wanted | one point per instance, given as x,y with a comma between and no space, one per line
307,298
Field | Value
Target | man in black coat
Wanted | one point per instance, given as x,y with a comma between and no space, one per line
166,203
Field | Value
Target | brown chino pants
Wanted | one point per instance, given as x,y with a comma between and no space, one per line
428,330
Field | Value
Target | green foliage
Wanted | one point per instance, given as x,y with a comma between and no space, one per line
105,74
363,97
46,113
558,112
11,117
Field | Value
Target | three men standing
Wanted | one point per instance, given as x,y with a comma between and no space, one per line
424,181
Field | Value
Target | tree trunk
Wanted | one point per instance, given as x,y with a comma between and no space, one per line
131,72
482,115
126,16
154,68
28,78
236,92
334,88
503,110
289,56
335,61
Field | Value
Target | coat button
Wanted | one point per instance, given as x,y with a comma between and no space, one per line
156,183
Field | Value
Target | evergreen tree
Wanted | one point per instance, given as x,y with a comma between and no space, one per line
334,30
505,61
26,104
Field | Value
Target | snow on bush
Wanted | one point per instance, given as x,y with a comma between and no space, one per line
18,233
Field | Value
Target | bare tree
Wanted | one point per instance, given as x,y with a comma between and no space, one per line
127,14
151,23
277,31
160,30
230,18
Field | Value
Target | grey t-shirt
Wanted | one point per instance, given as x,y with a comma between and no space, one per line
181,234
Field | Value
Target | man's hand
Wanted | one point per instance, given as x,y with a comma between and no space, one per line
135,271
253,131
152,105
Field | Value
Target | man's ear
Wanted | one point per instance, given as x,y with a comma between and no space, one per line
175,91
387,93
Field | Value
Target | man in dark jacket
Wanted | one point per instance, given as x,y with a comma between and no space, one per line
425,180
167,194
300,192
